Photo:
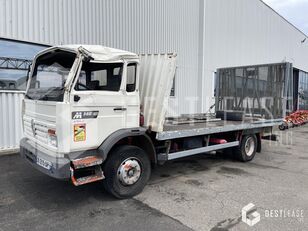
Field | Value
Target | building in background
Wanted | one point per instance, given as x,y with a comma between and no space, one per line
207,35
15,58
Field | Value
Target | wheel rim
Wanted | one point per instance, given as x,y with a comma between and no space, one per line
129,171
249,146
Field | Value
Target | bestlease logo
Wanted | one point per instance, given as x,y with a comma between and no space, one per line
285,213
250,216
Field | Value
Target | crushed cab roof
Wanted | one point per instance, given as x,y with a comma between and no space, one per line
99,52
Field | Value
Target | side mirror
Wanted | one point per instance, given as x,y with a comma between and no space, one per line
76,98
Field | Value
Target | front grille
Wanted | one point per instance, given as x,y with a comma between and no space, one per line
36,129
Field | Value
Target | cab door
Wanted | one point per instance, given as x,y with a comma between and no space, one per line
132,95
98,104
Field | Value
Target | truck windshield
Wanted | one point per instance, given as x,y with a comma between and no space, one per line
49,76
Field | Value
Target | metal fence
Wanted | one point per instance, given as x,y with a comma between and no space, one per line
303,91
10,120
260,91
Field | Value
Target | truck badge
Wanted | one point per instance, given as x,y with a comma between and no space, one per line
78,115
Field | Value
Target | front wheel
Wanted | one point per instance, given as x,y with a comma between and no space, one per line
247,149
127,171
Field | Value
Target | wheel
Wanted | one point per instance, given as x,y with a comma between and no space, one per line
282,127
247,149
127,171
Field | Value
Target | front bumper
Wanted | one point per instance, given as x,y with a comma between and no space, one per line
58,167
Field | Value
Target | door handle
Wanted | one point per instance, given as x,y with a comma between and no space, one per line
120,109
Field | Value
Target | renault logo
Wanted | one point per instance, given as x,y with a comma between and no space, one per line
33,126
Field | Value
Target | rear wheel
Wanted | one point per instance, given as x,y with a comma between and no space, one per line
282,127
127,171
247,149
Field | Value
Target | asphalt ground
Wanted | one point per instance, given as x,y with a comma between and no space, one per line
205,192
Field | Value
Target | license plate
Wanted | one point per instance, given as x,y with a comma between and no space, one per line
43,163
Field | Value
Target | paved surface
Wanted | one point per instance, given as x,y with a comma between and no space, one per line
30,200
199,193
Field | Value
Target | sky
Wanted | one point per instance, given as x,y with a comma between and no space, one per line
295,11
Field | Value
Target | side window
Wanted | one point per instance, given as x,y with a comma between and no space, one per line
82,80
100,77
131,77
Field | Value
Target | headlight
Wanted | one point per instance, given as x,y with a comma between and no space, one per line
52,138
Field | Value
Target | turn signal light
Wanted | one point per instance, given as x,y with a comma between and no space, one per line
51,132
141,120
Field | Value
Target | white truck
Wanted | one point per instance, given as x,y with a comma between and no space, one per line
94,113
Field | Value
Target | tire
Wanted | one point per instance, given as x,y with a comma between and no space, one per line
247,149
282,127
117,180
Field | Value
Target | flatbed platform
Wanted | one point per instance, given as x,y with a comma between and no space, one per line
174,131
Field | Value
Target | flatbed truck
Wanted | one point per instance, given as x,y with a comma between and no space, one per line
93,113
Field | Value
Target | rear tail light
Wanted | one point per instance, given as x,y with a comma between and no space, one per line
141,120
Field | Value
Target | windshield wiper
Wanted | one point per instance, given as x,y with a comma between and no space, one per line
46,97
28,97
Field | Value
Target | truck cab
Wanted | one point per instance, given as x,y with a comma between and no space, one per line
80,103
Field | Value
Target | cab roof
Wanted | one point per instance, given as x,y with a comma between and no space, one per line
98,52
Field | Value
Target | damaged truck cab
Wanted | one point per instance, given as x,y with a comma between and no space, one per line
83,105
